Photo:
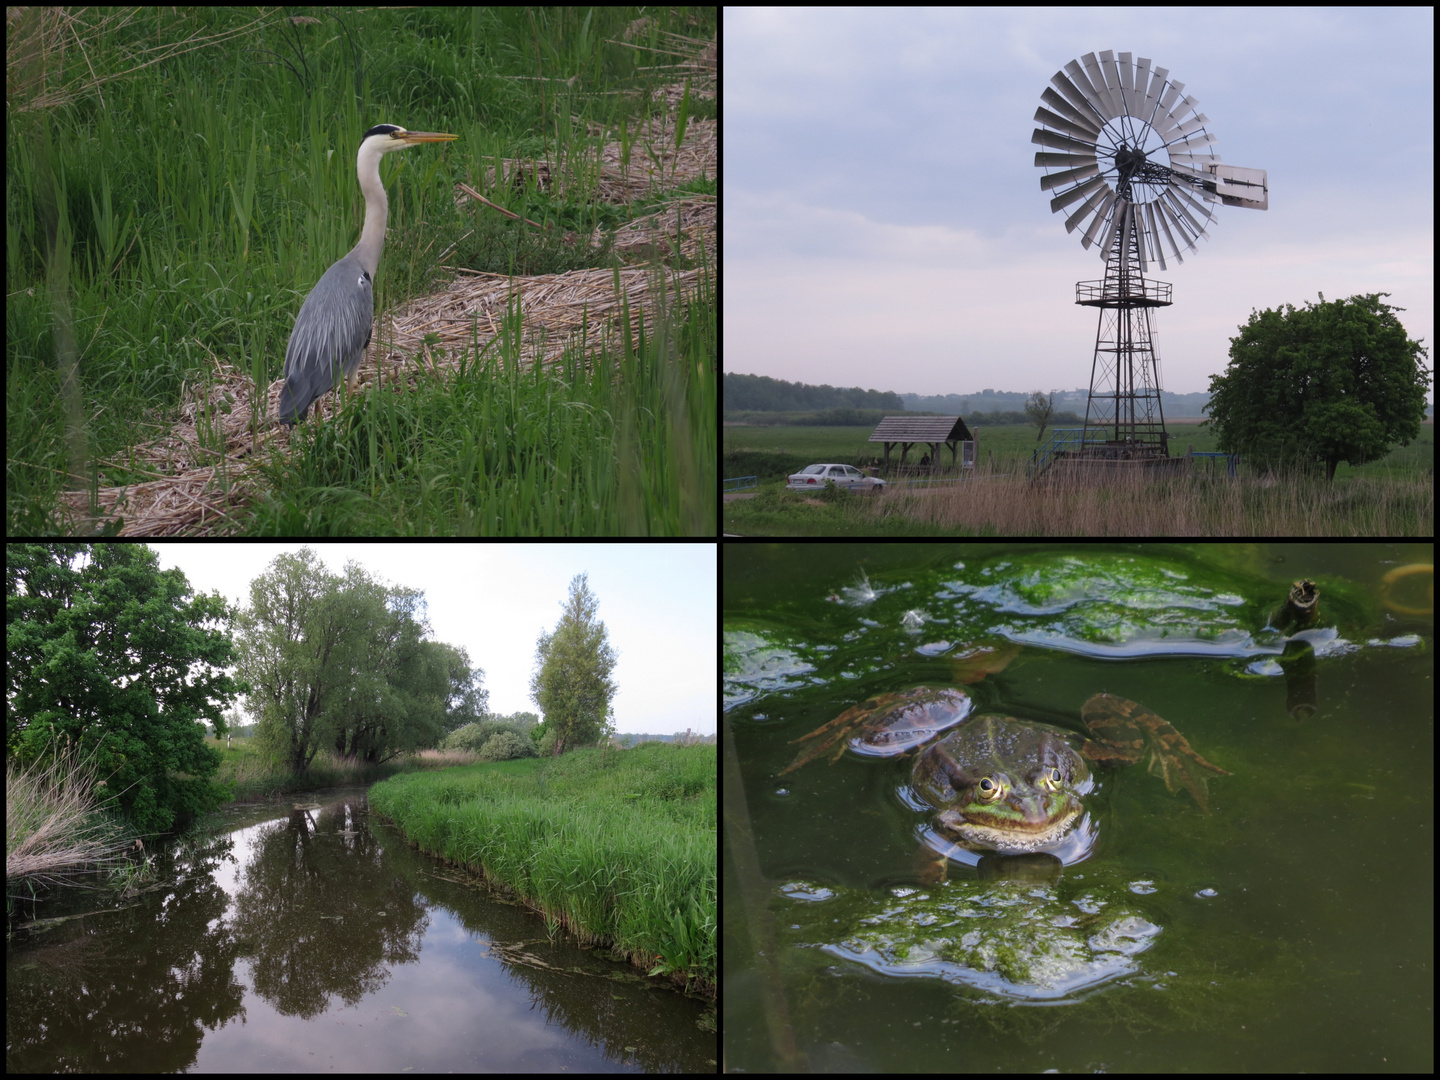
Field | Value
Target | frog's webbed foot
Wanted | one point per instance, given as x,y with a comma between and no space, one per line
1125,731
930,866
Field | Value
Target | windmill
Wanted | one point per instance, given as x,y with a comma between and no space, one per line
1133,167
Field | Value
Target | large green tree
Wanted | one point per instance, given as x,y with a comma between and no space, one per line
468,701
572,683
340,662
286,639
112,657
400,682
1335,381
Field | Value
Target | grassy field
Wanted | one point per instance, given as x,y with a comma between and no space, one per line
617,846
1392,497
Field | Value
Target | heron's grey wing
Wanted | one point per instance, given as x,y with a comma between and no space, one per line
329,338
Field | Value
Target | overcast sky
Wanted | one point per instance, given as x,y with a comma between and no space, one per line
885,226
657,603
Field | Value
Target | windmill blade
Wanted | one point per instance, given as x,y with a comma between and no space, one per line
1080,191
1153,233
1056,141
1069,176
1081,91
1102,216
1085,119
1059,123
1165,225
1143,101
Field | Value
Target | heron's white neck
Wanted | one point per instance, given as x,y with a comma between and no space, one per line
377,208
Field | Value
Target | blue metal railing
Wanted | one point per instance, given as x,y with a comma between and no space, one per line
1061,439
740,482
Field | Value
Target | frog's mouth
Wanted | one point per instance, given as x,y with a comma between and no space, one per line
1012,835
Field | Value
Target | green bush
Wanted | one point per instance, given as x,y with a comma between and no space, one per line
470,737
474,737
506,746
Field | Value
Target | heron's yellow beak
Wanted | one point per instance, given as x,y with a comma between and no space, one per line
409,137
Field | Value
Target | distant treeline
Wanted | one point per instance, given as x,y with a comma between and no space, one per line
824,418
870,418
762,393
758,399
685,737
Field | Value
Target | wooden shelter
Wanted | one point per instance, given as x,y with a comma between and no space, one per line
931,431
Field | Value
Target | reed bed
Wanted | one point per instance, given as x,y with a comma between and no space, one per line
53,826
1139,504
616,846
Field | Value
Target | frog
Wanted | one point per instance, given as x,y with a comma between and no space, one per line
998,783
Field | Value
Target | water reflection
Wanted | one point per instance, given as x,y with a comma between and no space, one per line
319,916
310,941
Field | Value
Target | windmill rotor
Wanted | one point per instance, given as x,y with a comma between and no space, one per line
1131,163
1130,150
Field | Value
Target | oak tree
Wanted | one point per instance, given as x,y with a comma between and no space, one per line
119,661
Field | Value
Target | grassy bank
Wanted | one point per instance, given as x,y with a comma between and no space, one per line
616,846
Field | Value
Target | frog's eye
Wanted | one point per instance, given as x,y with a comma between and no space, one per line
1050,778
990,788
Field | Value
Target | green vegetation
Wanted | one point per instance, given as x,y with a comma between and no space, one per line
1393,497
114,659
174,197
572,675
341,663
1330,382
617,846
492,740
250,775
772,453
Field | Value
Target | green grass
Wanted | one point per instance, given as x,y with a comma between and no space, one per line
774,452
617,846
167,215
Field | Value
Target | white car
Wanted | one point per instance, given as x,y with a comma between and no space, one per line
846,476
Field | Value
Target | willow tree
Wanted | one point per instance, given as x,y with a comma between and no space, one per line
339,662
400,683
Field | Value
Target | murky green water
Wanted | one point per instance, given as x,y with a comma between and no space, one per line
318,941
1290,928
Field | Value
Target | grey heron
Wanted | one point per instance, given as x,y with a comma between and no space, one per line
332,330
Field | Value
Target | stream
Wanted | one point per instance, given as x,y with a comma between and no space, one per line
316,940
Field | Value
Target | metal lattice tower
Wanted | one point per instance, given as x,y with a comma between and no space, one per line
1137,159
